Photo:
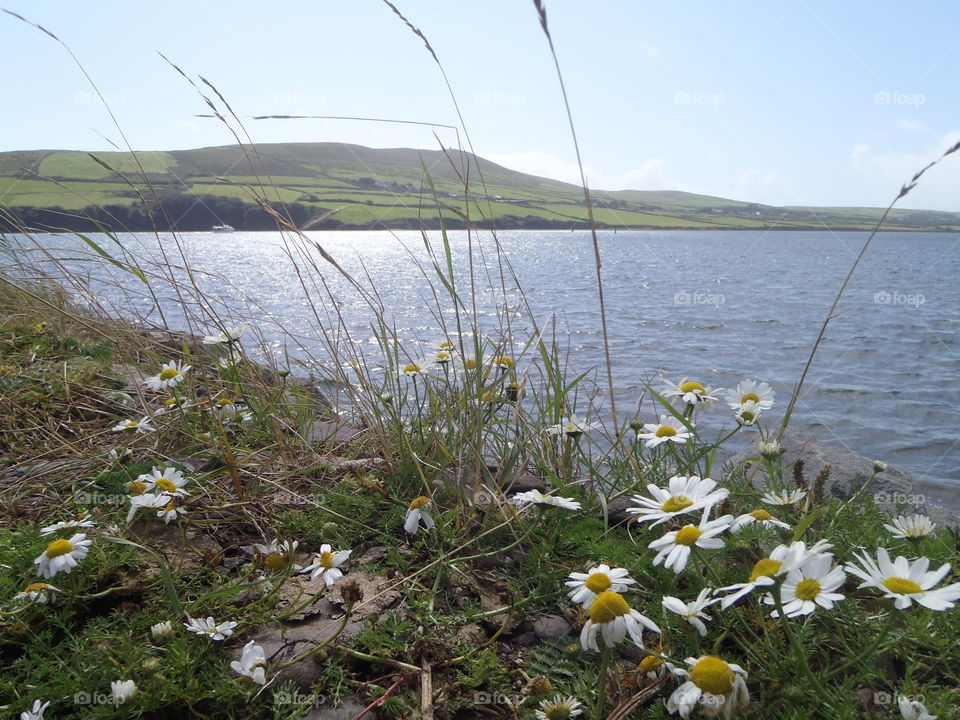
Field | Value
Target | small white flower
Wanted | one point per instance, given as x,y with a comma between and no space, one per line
751,391
277,554
757,516
611,617
783,497
38,592
417,513
229,335
141,426
748,414
572,427
682,495
716,684
913,709
83,521
418,367
586,586
116,455
911,526
170,374
327,565
905,581
161,631
781,561
122,690
560,708
770,450
810,586
252,660
168,481
669,429
171,510
691,392
62,556
535,497
210,628
692,612
36,713
673,549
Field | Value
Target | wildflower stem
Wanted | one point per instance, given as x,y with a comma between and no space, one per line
865,654
801,656
602,680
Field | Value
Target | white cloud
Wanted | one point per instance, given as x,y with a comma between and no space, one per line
767,188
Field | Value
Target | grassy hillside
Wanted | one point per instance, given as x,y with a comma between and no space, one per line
367,188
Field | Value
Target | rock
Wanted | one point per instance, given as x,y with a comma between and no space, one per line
332,433
617,510
527,639
551,626
345,711
848,472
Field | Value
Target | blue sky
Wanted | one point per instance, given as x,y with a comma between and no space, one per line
808,102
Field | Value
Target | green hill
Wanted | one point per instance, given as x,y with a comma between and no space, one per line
337,185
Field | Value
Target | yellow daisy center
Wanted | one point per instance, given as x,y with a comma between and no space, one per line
761,515
557,711
489,397
598,582
442,357
608,606
166,484
504,361
412,368
765,568
749,396
224,401
665,431
170,507
419,502
169,374
808,589
275,561
649,664
58,548
712,675
445,345
326,560
901,586
137,488
692,386
36,587
688,535
470,364
677,503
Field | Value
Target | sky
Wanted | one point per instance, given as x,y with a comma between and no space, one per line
814,102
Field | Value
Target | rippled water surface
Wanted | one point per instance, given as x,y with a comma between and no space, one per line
715,306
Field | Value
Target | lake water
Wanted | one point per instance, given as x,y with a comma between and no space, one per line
714,306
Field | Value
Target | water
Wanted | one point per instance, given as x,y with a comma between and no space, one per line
713,306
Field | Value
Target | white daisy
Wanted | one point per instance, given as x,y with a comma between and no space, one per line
586,586
62,556
38,592
691,392
417,513
913,709
226,409
170,374
252,660
654,667
783,497
210,628
560,708
277,554
161,630
168,481
692,612
503,362
417,367
717,685
911,526
327,564
36,713
781,561
905,581
673,549
669,429
748,414
122,690
146,500
81,521
614,619
141,426
171,510
759,515
538,498
805,588
229,335
751,391
572,427
682,495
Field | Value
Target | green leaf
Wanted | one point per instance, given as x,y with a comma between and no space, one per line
109,258
805,524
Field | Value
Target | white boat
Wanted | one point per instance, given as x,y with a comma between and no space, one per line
222,228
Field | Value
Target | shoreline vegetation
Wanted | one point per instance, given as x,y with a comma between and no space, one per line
463,527
335,186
